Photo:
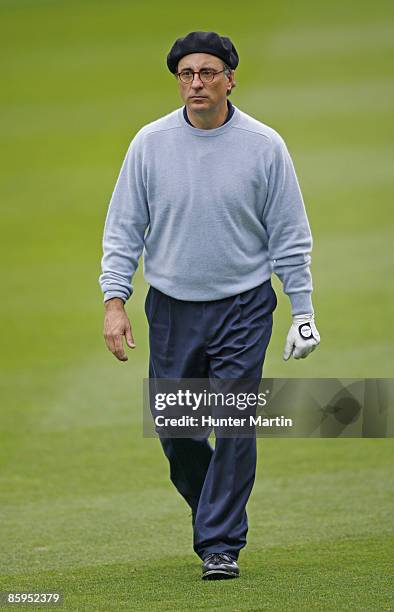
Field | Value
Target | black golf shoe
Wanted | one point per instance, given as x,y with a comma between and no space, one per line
219,566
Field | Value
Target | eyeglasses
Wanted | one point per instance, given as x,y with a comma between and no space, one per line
206,75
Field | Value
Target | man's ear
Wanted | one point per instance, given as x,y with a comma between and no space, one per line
232,82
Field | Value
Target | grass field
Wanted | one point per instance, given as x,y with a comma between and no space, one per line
86,504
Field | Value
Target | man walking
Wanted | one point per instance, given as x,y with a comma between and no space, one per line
210,196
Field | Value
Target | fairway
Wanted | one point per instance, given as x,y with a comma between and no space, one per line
86,506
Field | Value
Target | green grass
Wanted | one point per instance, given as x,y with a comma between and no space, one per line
86,504
284,578
90,513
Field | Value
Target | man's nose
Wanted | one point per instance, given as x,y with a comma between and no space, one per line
197,82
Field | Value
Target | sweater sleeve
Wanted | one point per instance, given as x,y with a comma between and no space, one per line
287,226
125,225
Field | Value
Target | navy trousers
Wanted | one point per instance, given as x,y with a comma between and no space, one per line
225,339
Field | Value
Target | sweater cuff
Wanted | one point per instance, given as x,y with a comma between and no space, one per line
108,295
301,303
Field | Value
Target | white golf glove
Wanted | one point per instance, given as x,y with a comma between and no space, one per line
302,338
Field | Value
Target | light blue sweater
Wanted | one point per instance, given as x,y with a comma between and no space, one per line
214,212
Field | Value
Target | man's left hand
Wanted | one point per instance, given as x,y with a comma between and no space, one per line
302,338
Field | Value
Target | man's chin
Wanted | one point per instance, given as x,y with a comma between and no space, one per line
197,104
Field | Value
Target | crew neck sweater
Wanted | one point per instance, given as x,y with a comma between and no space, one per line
214,212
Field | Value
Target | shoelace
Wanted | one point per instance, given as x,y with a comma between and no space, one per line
218,558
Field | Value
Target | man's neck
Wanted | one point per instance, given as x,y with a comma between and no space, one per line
208,120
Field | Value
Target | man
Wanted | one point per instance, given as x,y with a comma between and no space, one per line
211,197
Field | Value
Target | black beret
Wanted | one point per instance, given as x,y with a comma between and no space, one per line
203,42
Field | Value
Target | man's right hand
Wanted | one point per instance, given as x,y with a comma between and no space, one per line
117,325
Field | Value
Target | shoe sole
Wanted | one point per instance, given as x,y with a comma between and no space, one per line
219,575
